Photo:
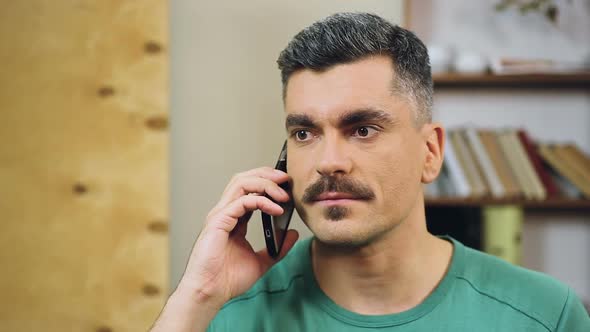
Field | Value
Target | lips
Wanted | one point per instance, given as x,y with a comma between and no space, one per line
330,196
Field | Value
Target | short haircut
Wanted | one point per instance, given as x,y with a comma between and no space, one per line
347,37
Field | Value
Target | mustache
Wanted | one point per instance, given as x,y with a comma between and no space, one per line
337,184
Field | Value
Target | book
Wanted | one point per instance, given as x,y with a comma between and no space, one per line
456,172
510,154
487,168
519,66
502,230
471,162
565,187
582,158
463,155
574,157
445,186
538,192
560,166
540,170
492,146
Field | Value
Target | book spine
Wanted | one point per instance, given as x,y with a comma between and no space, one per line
533,179
487,168
537,164
582,158
509,152
466,164
472,164
565,187
490,142
570,154
552,155
456,173
445,185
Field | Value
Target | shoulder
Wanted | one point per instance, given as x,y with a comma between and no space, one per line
530,293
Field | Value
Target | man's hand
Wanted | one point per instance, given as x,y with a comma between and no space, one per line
223,264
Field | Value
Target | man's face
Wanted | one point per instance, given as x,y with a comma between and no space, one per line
354,153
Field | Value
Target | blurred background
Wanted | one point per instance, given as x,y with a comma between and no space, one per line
122,122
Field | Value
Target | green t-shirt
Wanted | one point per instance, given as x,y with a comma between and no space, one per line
479,293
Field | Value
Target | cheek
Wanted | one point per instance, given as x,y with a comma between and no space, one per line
299,173
391,180
398,175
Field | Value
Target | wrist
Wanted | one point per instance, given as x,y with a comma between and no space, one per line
197,295
187,310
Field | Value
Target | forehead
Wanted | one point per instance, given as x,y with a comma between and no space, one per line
366,83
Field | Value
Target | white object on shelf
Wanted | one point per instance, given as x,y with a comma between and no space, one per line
469,62
441,58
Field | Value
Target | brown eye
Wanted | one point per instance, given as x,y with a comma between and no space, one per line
302,135
365,132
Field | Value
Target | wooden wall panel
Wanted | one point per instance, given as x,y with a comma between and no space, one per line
83,164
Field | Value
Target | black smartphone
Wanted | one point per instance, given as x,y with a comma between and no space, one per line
275,228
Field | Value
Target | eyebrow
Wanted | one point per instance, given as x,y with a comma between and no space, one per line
347,119
299,120
365,115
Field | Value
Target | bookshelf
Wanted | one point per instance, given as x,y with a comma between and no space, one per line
549,229
452,81
581,205
579,80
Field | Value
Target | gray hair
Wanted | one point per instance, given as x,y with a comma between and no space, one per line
348,37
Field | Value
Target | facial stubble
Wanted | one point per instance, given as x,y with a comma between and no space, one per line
336,213
337,184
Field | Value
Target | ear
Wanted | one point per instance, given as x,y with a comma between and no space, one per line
434,140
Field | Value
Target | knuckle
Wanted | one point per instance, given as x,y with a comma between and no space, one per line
236,177
249,200
210,214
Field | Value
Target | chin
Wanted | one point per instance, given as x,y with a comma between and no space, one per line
345,232
343,226
344,242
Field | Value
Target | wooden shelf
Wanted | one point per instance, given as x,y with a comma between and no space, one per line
546,81
552,204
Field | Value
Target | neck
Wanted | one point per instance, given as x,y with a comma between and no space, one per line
392,274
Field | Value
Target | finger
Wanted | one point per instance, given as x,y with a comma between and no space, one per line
268,173
290,239
245,218
241,228
252,185
233,190
262,172
227,218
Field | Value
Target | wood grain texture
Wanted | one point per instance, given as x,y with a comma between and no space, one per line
83,164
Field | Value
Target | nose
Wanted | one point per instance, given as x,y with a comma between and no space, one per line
333,157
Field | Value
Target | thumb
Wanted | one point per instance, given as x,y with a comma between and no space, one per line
290,239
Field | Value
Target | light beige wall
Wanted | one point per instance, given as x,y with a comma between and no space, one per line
227,113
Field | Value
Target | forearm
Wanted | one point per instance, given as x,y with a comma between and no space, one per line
186,311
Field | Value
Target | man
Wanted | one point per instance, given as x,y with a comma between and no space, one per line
358,94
